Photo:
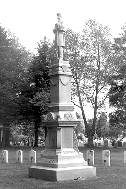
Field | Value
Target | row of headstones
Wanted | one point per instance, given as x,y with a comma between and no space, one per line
108,143
32,157
19,156
105,157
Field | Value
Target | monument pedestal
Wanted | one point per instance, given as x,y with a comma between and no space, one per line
59,161
65,165
60,174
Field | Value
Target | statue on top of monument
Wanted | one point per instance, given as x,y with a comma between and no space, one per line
59,24
59,36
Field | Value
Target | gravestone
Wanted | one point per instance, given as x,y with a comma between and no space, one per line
32,156
90,157
60,161
106,157
19,156
4,156
124,157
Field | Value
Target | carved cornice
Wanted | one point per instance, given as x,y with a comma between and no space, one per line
55,107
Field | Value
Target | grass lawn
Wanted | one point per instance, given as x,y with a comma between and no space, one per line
15,176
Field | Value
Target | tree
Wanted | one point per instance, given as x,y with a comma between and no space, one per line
14,60
79,129
88,54
96,46
34,97
102,128
72,53
117,90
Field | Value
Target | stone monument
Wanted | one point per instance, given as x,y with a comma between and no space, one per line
59,161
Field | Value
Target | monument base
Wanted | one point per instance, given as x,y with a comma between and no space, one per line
56,165
60,174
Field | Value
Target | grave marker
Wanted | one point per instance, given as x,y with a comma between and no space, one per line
32,156
90,157
19,156
5,156
124,156
106,157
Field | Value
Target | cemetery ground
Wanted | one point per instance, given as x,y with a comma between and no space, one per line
15,176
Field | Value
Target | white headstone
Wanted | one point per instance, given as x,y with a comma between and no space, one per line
5,156
124,156
106,157
32,156
90,157
19,156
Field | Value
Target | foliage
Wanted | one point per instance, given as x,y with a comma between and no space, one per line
34,97
88,54
80,128
14,60
102,128
117,92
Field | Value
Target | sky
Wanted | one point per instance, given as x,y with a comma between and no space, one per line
31,20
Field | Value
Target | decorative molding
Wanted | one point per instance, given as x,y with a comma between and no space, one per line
59,116
68,117
47,160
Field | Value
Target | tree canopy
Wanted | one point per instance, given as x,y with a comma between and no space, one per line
14,60
117,93
34,97
88,53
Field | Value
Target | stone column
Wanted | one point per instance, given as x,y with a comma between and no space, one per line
59,161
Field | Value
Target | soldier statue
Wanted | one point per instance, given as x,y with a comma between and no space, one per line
59,36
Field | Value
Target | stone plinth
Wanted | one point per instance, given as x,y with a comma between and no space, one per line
62,165
60,174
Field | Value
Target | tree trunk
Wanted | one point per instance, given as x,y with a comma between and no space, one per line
95,109
36,129
90,139
36,137
6,136
80,101
96,95
87,129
